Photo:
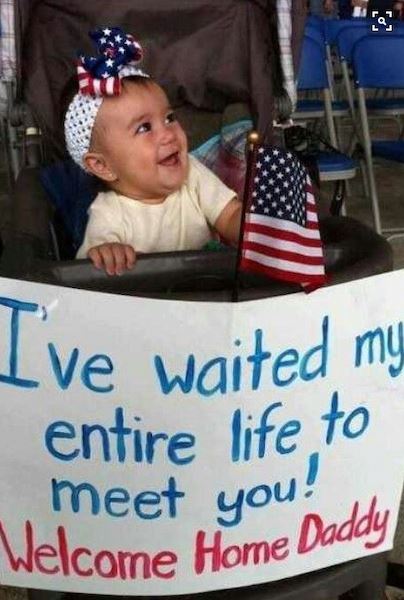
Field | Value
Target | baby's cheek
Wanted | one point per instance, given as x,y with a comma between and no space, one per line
182,136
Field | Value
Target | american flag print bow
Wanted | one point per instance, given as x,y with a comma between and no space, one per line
118,55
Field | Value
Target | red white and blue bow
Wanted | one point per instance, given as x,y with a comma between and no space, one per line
118,54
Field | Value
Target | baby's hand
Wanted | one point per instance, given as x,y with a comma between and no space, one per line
113,257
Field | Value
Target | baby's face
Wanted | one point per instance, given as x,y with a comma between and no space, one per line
142,143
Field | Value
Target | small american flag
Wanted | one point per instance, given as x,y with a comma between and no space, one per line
281,237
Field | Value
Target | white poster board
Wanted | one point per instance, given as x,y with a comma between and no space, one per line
159,447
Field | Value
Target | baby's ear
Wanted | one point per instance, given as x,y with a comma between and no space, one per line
97,165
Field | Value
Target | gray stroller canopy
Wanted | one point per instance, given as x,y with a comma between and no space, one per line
206,53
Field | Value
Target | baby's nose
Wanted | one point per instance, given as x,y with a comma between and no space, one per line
167,135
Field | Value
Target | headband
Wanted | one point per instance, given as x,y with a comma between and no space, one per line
99,76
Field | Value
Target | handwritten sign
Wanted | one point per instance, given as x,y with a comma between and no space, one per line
161,447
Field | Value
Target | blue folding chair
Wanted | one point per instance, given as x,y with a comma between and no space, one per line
391,105
315,32
331,30
316,109
332,27
313,108
313,76
378,63
345,41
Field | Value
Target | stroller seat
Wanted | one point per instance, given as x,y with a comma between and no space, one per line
352,251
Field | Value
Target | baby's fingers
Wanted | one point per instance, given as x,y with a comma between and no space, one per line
119,258
94,255
114,258
103,258
130,257
108,258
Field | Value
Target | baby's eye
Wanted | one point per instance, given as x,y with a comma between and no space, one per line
171,117
144,127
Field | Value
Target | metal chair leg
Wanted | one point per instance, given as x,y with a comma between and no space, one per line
365,181
368,159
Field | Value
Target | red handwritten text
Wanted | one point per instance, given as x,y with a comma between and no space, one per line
214,555
81,561
315,532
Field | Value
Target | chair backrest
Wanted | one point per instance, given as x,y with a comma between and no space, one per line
346,38
378,61
334,26
312,73
315,33
314,20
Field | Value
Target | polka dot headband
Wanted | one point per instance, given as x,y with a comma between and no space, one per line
99,76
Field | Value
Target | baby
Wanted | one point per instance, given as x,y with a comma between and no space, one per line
158,198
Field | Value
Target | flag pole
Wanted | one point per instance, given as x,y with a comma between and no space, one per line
251,151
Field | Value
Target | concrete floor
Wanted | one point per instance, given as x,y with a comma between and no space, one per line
390,181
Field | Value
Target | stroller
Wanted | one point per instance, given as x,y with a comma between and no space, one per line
234,71
237,72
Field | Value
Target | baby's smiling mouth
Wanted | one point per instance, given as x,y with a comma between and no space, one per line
172,160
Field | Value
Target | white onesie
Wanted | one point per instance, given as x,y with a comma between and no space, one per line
183,221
